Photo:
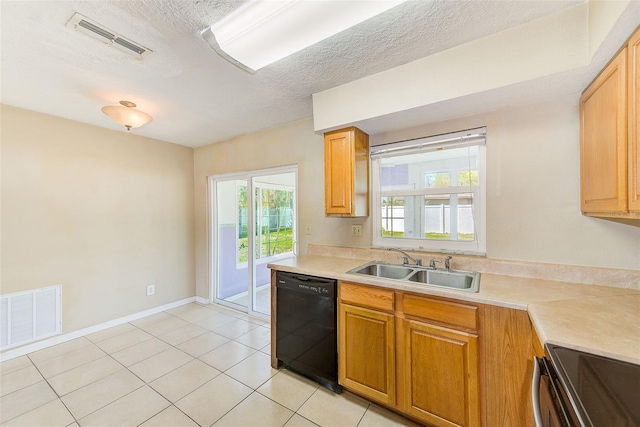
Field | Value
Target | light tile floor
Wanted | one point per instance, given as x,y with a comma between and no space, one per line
262,298
193,365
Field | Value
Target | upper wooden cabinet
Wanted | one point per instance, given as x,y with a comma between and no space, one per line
346,172
610,186
633,55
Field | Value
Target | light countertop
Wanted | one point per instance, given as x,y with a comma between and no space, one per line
598,319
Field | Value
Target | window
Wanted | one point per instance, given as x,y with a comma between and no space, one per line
428,193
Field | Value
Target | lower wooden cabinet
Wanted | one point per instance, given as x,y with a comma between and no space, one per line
508,365
439,361
441,384
366,357
416,355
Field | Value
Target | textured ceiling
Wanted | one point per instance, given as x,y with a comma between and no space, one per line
195,96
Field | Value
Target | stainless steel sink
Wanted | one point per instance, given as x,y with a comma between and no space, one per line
455,279
388,271
450,279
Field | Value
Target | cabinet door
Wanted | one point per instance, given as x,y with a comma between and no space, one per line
338,172
509,344
366,354
634,128
441,375
603,141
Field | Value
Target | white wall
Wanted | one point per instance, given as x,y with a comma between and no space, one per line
533,188
603,15
102,213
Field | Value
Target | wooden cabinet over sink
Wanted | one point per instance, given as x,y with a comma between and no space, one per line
609,133
346,173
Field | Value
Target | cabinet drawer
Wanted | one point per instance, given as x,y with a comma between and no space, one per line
366,296
465,316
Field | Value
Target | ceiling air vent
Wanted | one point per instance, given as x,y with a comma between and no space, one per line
91,28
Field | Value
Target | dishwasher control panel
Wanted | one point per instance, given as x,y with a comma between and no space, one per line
307,284
316,289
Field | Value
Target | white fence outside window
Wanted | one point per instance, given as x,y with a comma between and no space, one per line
436,219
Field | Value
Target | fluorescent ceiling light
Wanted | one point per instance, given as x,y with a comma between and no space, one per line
261,32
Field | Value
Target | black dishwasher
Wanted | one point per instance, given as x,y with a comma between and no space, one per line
306,319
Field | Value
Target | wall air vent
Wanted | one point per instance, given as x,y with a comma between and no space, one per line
91,28
29,316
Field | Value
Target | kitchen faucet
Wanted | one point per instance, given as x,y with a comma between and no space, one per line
406,257
447,263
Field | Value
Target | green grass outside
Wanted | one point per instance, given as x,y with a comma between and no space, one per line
281,242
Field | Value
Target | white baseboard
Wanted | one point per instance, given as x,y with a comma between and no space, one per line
58,339
202,300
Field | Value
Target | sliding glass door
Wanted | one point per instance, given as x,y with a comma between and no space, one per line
253,223
232,241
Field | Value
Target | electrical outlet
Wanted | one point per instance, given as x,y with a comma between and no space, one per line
307,230
356,230
151,289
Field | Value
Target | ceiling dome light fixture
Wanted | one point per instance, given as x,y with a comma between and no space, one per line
126,115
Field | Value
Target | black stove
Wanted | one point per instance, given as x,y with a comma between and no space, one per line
595,391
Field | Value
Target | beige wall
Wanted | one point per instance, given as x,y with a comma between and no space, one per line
105,213
533,187
294,143
102,213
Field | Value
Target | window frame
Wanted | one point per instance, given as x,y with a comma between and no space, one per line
427,144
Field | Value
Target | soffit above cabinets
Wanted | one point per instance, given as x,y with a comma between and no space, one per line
555,55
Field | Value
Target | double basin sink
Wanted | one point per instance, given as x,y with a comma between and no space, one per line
453,279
